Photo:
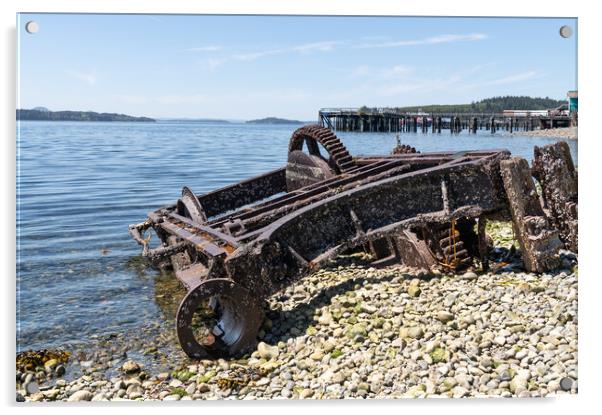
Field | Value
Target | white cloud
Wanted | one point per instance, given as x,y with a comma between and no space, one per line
213,63
256,55
401,79
86,77
447,38
377,73
510,79
361,71
325,46
208,48
397,71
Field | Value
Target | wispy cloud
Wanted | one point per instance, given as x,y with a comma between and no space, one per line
433,40
256,55
510,79
208,48
331,45
87,77
213,63
401,79
323,46
378,73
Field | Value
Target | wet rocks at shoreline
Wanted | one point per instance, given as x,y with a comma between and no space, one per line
358,332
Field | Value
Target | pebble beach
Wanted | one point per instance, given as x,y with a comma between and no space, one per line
568,133
353,331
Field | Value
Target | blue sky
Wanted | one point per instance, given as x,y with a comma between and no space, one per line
243,67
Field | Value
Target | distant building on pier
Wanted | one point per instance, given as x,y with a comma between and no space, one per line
525,113
573,101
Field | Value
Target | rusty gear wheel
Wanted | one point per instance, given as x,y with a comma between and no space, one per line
339,158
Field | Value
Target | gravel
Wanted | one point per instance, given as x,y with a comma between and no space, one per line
359,332
567,132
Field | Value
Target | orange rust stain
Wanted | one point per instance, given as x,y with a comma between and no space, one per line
228,248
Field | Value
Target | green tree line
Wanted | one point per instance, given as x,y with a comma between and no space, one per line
488,105
36,115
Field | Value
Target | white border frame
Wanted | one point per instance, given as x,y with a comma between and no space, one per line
590,369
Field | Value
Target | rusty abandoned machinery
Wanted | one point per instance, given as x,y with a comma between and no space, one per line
234,247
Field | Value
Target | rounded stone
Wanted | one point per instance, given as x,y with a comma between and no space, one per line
81,395
32,387
267,352
130,367
60,370
445,316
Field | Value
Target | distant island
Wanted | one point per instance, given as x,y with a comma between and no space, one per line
488,105
43,114
195,120
274,120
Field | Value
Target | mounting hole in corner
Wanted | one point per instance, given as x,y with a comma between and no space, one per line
566,31
32,27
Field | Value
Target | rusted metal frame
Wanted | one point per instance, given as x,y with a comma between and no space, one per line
165,251
243,193
263,283
406,179
258,221
339,180
435,157
292,197
311,192
374,169
430,160
201,244
392,230
269,217
206,229
156,216
192,275
311,235
443,154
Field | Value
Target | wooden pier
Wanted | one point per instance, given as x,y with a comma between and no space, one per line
386,120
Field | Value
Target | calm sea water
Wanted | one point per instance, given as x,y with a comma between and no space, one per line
81,184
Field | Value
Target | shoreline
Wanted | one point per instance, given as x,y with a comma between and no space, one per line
358,332
569,133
